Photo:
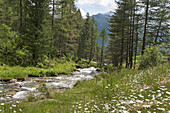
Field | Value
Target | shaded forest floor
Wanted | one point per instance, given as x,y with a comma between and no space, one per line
119,91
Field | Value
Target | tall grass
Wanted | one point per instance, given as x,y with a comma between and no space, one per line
124,91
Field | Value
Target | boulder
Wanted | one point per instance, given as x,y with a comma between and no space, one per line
77,66
2,64
93,72
13,80
99,69
14,85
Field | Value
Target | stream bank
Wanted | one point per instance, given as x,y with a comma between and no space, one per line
22,89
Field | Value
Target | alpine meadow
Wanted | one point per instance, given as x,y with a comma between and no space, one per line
55,60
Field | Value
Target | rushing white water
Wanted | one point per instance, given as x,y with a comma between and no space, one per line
60,82
20,95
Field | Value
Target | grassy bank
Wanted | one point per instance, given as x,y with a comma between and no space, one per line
17,72
125,91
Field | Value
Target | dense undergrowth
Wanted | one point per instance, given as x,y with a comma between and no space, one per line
124,91
17,72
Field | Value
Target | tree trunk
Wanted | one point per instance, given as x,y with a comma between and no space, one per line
20,16
136,42
123,28
101,63
133,30
157,34
91,48
130,38
127,53
146,20
53,17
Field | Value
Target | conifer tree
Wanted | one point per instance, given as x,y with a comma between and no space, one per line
34,33
103,36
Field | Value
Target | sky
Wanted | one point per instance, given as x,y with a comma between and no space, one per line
95,6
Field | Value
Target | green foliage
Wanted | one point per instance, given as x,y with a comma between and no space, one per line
151,57
102,76
18,72
83,63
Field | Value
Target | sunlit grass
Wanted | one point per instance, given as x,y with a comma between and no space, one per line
7,72
125,91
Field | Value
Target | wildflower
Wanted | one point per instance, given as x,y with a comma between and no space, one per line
139,101
17,101
163,109
117,104
165,99
146,106
108,84
139,111
123,111
123,102
95,106
131,102
13,105
123,107
106,87
159,102
141,90
141,96
162,86
85,109
159,95
2,104
147,99
112,111
153,97
10,108
14,111
168,93
146,87
163,89
158,91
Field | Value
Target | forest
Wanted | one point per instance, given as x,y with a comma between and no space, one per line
40,39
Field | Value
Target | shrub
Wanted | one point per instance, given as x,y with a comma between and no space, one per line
152,56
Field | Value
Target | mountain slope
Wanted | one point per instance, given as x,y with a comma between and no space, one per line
103,20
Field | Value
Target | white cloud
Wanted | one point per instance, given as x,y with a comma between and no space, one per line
83,13
99,2
95,6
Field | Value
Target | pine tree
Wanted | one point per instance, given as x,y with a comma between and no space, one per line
158,21
84,47
34,37
103,36
94,32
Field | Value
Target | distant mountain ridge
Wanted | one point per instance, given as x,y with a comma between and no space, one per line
103,20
